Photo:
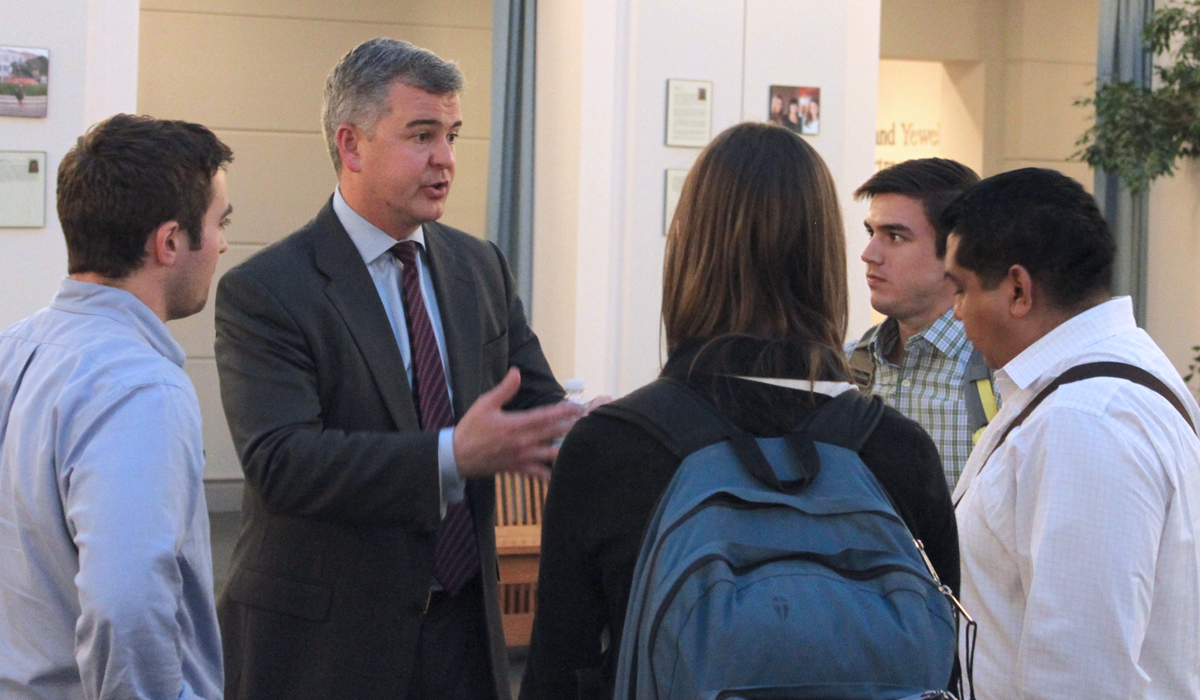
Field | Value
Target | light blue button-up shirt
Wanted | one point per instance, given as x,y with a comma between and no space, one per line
105,565
375,248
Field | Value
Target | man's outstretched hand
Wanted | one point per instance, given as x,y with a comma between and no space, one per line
489,439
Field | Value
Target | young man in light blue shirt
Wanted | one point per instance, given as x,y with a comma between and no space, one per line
106,586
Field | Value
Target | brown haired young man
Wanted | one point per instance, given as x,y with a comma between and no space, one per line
918,359
106,585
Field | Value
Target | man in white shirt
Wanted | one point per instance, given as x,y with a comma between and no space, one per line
1079,510
106,584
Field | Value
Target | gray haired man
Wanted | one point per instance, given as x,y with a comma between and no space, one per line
365,361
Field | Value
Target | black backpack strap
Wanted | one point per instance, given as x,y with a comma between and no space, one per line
675,415
862,364
847,420
1091,370
683,421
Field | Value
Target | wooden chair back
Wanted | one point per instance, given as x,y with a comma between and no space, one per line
519,501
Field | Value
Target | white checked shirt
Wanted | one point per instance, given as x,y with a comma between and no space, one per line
1080,557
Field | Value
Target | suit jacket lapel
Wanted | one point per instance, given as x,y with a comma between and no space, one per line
459,309
353,294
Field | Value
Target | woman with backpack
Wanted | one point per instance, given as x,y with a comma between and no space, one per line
754,286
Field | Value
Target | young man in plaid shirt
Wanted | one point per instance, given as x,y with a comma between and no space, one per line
919,360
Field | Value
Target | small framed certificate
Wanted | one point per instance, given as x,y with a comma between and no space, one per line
673,188
689,113
22,189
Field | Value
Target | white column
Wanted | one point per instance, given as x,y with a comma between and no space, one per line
93,72
627,51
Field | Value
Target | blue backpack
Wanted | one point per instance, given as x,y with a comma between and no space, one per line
777,567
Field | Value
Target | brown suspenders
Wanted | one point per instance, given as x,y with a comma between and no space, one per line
1119,370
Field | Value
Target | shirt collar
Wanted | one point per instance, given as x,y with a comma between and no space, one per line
883,337
78,297
1045,355
945,333
370,240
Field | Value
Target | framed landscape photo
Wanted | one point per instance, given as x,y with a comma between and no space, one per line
24,81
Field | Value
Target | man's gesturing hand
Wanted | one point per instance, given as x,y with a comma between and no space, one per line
489,440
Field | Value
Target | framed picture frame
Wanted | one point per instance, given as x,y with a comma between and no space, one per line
24,81
689,113
22,189
797,108
673,179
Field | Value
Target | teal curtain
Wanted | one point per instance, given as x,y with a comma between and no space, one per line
1121,57
510,169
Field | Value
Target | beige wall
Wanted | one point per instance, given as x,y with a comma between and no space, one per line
930,109
253,70
1172,294
557,131
600,160
1038,57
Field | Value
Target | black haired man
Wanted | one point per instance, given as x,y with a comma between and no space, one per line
1077,513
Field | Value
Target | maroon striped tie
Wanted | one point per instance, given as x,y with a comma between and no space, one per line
456,554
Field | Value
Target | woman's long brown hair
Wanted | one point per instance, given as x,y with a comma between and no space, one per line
756,249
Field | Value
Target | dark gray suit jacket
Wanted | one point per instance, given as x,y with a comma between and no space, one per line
341,507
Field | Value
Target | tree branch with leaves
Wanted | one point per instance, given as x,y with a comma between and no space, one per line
1140,132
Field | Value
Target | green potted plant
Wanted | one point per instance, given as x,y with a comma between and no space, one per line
1140,132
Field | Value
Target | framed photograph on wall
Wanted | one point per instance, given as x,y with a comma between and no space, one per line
797,108
22,189
672,188
24,81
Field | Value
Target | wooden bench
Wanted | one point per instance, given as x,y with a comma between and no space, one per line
519,502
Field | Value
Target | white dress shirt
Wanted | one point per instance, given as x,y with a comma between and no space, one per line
1079,536
106,587
375,248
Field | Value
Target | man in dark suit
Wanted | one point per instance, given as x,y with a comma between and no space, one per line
363,380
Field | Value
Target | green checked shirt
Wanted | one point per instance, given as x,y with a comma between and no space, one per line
927,385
